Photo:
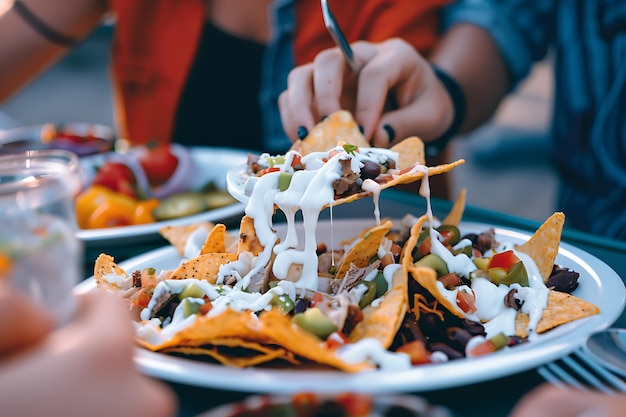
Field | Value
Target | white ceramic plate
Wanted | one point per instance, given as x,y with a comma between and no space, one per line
599,284
210,164
235,183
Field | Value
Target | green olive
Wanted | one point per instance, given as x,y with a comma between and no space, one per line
282,301
450,233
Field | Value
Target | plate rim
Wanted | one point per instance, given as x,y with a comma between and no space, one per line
416,379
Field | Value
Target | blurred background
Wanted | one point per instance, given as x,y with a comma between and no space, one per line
507,167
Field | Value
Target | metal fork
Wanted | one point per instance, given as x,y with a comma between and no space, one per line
582,372
338,37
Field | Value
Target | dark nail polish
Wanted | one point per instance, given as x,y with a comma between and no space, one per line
361,129
390,132
324,117
302,132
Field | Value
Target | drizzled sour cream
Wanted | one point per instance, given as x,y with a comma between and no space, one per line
310,191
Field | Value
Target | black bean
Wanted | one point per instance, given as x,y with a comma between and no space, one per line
450,352
370,170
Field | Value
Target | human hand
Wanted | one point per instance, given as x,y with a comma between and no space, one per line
552,401
83,368
423,105
23,324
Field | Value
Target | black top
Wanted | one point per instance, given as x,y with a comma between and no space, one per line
219,104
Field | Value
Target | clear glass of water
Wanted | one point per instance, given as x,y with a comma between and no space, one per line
39,252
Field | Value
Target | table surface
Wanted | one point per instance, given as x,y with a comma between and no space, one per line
493,398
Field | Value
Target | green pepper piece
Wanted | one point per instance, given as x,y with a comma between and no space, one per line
180,205
381,284
369,295
517,275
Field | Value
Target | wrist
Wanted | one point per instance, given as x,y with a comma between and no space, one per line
457,96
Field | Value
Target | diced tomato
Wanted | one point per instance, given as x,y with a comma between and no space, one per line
335,340
417,352
356,405
267,171
504,260
296,160
497,342
425,246
466,302
143,298
205,308
317,298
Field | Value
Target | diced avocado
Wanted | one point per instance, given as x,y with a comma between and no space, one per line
435,262
314,321
284,179
191,290
517,275
282,301
190,307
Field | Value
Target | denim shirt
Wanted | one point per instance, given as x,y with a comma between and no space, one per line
588,38
277,62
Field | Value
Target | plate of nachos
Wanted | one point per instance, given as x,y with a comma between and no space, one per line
363,304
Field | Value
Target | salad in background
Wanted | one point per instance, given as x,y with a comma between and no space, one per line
144,185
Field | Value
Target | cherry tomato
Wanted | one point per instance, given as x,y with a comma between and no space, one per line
117,177
159,163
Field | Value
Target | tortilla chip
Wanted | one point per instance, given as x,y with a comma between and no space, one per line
426,277
456,211
204,267
236,352
178,235
410,151
105,265
364,250
543,246
248,240
270,328
562,308
216,240
383,321
405,178
337,127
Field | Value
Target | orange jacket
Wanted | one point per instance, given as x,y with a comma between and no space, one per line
155,43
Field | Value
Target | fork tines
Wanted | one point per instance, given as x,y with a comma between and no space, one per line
581,372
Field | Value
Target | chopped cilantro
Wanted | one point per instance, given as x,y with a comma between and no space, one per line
350,149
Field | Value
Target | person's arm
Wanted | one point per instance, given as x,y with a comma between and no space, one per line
35,33
469,56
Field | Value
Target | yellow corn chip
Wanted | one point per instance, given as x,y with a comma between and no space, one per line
337,127
216,240
105,265
248,240
383,321
456,212
543,246
410,152
562,308
178,235
364,250
205,267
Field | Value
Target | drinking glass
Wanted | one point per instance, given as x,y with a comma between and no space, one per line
39,252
